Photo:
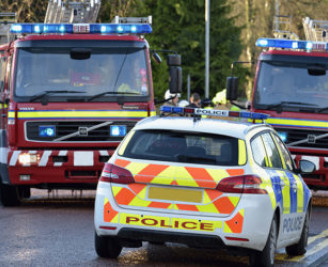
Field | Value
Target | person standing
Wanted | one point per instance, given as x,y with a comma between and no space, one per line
195,101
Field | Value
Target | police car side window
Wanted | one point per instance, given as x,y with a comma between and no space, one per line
258,151
285,154
272,151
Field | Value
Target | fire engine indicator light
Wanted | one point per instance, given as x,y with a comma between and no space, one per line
117,130
106,28
47,131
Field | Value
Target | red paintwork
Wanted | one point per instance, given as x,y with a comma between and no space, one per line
16,140
321,154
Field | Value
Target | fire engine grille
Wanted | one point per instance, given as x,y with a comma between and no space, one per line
70,131
309,138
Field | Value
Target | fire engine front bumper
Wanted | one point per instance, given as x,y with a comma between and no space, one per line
37,167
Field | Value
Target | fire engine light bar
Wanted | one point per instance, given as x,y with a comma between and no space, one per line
109,28
214,112
291,44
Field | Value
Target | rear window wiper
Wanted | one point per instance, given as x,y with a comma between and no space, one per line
279,107
110,93
38,96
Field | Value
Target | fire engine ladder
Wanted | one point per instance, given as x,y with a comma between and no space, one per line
6,19
315,30
78,11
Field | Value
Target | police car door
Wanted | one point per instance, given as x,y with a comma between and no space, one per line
292,224
280,181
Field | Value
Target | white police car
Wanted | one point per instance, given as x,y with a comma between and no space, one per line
205,183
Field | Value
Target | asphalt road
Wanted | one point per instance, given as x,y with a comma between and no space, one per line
58,231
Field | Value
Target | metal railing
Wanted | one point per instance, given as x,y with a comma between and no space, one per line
78,11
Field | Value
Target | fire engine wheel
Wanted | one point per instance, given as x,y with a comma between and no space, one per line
9,195
300,247
107,246
266,256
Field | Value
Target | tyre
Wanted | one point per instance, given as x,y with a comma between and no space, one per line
300,247
9,195
24,192
266,256
107,246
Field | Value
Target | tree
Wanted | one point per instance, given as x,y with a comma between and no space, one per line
179,25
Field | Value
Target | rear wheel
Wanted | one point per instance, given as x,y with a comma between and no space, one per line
9,195
266,256
300,247
107,246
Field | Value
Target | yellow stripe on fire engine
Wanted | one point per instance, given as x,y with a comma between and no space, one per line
298,122
241,152
82,114
11,114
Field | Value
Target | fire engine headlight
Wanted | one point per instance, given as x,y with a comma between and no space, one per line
26,159
283,136
117,130
47,131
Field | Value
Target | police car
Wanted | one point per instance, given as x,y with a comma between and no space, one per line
206,183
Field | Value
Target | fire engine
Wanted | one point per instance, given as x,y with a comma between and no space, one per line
291,85
71,89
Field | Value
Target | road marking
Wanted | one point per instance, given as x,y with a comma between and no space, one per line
313,250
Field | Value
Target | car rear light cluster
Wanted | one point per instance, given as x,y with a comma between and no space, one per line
115,174
244,184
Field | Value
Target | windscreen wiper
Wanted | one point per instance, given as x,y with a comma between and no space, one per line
322,109
38,96
110,93
279,107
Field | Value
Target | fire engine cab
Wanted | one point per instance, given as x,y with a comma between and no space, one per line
291,85
70,91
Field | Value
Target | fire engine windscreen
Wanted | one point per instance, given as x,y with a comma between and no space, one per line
295,87
81,73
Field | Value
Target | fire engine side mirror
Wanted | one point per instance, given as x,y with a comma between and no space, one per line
174,60
232,88
175,80
157,58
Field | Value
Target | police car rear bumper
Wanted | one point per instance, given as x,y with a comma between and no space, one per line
192,240
252,218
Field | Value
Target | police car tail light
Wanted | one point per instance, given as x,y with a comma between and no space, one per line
244,184
115,174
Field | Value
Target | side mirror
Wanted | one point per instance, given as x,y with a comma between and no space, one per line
306,166
232,88
174,60
157,58
175,80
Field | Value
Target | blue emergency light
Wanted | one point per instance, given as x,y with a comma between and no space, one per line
109,28
47,131
214,112
291,44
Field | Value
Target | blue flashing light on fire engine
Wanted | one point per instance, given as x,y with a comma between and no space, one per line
291,44
214,112
109,28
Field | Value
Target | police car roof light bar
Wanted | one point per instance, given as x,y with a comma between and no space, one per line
291,44
214,112
82,28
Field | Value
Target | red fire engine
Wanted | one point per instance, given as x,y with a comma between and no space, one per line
291,85
69,94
